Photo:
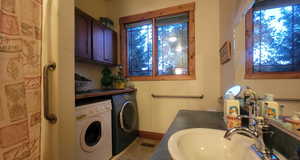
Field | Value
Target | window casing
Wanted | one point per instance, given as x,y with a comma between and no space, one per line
273,40
159,45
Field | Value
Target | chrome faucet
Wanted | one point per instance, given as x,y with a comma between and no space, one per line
243,131
260,130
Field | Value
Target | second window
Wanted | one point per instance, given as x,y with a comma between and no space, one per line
159,48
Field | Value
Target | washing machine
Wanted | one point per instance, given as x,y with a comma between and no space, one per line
124,121
94,133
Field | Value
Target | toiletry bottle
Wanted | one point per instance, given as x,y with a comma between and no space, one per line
271,109
281,110
231,108
233,121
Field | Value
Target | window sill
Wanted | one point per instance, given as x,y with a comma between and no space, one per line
273,75
162,78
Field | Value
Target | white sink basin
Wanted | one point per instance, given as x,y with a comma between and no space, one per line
209,144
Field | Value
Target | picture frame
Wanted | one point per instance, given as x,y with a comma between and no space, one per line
225,52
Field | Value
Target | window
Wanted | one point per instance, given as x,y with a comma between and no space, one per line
139,48
159,45
273,39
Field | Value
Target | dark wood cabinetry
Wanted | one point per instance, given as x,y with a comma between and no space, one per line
94,42
110,45
83,33
98,42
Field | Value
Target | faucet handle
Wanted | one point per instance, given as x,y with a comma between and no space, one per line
251,122
243,117
260,120
254,121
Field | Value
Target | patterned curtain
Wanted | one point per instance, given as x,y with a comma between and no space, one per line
20,79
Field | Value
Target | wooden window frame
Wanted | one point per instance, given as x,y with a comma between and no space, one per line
249,72
185,8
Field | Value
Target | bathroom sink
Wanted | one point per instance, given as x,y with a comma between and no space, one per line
209,144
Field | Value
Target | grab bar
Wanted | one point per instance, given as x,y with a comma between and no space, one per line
287,99
275,99
48,116
176,96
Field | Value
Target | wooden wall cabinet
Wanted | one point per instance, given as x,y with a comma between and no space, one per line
110,46
83,33
94,42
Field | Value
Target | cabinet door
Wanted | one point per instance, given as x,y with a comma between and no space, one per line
83,37
98,42
109,46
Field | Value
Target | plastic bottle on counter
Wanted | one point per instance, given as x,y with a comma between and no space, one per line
271,109
231,108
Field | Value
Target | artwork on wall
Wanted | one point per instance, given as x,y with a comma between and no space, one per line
225,52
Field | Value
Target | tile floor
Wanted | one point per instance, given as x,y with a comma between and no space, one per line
140,149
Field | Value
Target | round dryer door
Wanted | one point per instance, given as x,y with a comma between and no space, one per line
128,117
91,135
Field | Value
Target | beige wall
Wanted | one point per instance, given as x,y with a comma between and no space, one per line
157,114
58,140
95,8
233,72
90,71
227,13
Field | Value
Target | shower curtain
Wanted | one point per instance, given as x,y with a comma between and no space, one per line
20,79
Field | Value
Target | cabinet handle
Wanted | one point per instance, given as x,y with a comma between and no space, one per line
48,116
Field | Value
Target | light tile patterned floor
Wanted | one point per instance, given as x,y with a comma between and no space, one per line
141,149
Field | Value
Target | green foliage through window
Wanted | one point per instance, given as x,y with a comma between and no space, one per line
139,48
276,37
172,46
173,49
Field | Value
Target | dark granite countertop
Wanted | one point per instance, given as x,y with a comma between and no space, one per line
186,119
102,92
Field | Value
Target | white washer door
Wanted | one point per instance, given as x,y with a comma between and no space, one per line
91,135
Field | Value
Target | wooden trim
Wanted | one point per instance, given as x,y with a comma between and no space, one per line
158,13
154,49
249,42
190,9
273,75
161,78
151,135
249,73
191,43
123,49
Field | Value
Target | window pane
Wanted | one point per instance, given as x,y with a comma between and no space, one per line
173,45
139,49
277,39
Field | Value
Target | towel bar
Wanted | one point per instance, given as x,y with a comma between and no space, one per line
279,99
177,96
288,99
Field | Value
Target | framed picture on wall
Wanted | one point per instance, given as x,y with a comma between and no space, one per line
225,52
